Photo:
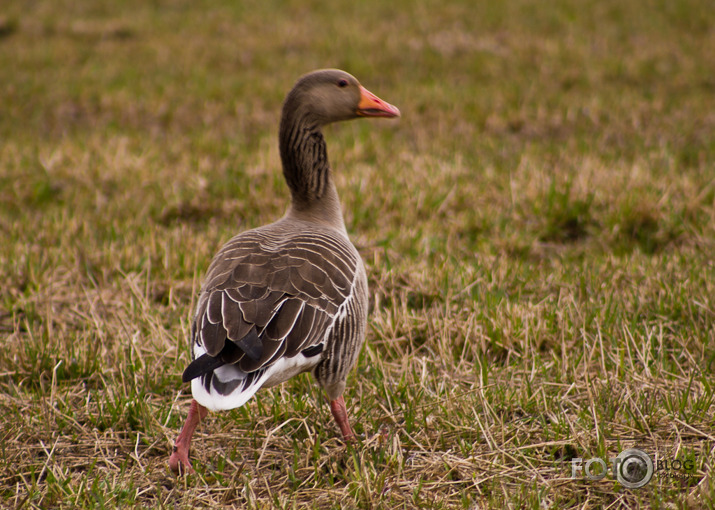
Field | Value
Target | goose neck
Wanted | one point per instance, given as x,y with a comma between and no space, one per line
307,170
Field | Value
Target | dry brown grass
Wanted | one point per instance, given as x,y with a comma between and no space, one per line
538,231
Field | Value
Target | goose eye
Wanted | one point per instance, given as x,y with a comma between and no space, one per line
343,83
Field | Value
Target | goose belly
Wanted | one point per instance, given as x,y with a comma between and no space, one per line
285,368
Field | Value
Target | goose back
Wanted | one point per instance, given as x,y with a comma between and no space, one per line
297,291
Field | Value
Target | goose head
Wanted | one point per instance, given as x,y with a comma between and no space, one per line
332,95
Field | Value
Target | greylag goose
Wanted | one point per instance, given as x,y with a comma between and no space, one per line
291,296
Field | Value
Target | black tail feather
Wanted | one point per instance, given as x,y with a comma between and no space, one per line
250,344
200,366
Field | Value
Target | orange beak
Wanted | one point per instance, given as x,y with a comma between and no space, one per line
372,106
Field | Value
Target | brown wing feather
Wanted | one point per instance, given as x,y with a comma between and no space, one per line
289,287
283,322
234,323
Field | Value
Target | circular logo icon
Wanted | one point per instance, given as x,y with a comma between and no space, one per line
634,468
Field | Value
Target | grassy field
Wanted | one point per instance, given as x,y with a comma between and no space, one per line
538,231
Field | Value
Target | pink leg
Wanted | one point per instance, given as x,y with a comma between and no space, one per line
179,460
340,414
